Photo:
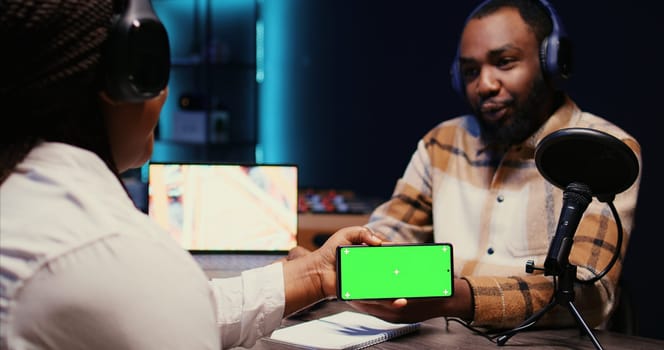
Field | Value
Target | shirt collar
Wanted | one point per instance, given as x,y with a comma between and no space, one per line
563,117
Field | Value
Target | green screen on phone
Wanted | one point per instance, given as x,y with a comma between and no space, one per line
394,271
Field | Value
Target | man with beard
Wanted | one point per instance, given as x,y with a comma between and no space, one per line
473,181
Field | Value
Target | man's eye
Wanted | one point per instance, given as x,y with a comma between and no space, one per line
505,62
469,72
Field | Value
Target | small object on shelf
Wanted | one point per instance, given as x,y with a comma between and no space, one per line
220,119
196,122
333,201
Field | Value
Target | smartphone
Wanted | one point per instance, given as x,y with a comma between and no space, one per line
394,271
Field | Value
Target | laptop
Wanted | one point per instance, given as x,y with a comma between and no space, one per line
231,217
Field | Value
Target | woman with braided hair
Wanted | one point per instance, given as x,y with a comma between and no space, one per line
80,266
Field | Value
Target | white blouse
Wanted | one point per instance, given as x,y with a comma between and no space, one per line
82,268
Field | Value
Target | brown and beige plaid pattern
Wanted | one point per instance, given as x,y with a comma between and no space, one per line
499,213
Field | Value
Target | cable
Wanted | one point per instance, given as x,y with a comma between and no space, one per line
477,331
489,336
616,253
493,337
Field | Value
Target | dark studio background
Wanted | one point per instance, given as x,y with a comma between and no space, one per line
360,81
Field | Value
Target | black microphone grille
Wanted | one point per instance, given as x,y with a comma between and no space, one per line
578,193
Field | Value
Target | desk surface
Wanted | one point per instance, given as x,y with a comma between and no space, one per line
435,334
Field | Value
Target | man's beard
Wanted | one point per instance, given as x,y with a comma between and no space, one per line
525,120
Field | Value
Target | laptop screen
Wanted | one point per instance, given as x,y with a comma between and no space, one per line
210,207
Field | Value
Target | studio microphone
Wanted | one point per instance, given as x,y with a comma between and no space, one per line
584,163
576,198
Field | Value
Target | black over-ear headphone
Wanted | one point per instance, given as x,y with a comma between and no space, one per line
137,54
555,52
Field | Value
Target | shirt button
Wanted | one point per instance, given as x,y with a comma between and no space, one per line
500,198
490,251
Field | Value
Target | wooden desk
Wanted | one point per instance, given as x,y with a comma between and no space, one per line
435,335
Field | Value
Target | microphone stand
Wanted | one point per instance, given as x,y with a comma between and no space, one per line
563,296
561,270
588,156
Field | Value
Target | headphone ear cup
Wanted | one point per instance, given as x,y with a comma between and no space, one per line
564,58
137,55
455,75
555,51
555,57
548,57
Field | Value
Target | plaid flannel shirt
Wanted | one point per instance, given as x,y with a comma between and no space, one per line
500,214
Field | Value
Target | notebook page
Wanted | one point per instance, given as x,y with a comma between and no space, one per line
344,330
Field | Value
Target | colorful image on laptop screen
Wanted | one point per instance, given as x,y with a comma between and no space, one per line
225,207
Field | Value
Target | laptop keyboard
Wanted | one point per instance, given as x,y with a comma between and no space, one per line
231,265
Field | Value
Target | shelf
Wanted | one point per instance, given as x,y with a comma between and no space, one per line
184,151
213,48
197,61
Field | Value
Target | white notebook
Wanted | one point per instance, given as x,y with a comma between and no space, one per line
344,330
